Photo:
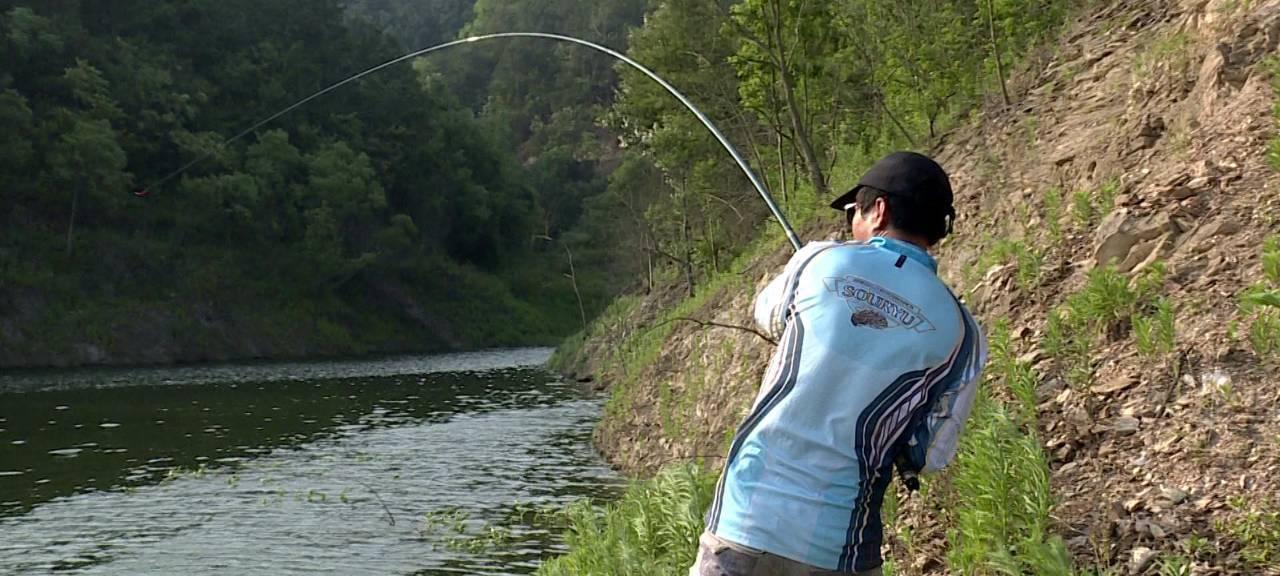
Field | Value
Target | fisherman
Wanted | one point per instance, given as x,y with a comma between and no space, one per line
877,367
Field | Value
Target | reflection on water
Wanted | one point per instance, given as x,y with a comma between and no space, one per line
303,469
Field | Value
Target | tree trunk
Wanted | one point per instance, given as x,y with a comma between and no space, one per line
648,256
688,243
802,135
782,166
995,51
573,277
71,226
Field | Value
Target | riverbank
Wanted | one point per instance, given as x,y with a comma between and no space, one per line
46,323
1115,224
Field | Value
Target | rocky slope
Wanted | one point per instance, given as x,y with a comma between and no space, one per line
1140,140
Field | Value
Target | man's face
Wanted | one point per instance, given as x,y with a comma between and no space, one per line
866,224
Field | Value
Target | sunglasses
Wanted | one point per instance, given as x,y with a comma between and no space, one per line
850,212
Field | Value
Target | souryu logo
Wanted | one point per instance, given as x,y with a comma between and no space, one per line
873,306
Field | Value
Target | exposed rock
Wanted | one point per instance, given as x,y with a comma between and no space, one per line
1121,231
1115,384
1125,425
1174,495
1140,558
1200,240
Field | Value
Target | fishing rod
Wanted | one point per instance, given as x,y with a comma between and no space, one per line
737,157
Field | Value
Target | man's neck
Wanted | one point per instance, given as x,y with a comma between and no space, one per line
908,238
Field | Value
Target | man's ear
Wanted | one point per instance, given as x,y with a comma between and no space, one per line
880,215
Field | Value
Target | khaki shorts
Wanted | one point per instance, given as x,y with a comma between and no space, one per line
720,557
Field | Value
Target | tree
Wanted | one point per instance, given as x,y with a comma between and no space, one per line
87,159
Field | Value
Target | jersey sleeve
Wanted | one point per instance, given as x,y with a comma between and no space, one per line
773,304
935,439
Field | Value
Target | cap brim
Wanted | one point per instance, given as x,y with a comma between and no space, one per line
846,199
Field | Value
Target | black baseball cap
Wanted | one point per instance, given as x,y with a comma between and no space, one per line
909,175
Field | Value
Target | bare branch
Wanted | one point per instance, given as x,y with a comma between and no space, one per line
708,324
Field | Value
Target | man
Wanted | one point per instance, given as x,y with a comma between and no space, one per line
877,366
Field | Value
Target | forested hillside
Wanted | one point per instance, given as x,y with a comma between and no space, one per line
426,207
1115,163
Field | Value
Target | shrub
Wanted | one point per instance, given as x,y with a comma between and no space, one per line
653,530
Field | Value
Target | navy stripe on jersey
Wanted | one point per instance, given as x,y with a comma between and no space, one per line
785,383
878,430
867,473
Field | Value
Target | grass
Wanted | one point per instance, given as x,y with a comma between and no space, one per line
1257,531
1106,195
1108,306
1053,213
1027,261
1173,51
1001,477
1082,209
1272,66
1154,333
1090,206
652,531
1260,304
1174,565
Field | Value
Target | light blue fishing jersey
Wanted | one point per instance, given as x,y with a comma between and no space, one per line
871,347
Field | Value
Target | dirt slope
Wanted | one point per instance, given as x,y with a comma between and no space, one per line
1164,107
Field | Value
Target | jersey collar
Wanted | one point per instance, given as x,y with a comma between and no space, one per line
906,249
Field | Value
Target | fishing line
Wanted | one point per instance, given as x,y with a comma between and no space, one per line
737,157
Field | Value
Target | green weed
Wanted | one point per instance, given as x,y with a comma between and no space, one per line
1272,66
1155,333
653,529
1053,213
1198,546
1082,209
1107,305
1106,195
1260,304
1002,477
1175,565
1174,51
1028,263
1258,532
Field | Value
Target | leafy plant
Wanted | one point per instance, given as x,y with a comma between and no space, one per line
1261,303
1258,531
1027,262
653,529
1155,333
1053,213
1107,196
1082,209
1002,476
1108,304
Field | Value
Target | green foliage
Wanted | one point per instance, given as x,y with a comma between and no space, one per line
1106,195
652,531
1260,303
1174,565
1026,260
1172,51
1002,478
1107,306
1053,213
386,210
1258,531
1155,334
1272,67
1082,209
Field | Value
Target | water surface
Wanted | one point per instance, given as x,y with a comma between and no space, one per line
430,465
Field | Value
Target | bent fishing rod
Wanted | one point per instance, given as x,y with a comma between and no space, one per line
737,157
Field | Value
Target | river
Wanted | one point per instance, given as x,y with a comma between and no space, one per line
432,465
